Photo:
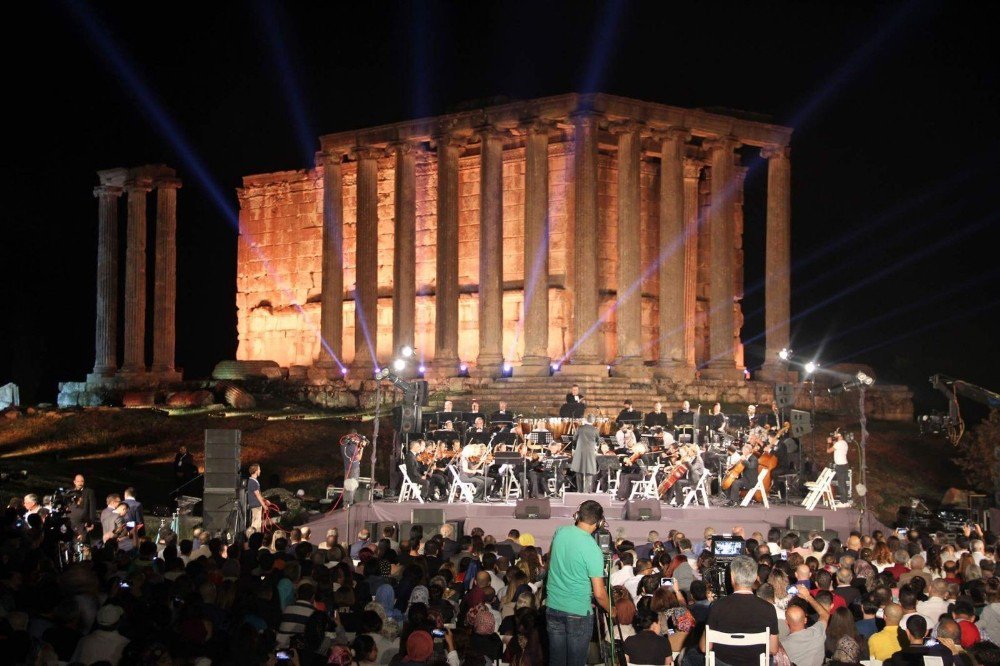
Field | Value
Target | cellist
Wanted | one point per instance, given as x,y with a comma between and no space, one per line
748,476
690,458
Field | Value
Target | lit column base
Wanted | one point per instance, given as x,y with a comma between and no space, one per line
488,366
584,369
632,367
534,366
674,370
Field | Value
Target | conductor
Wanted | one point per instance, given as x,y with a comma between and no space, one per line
584,461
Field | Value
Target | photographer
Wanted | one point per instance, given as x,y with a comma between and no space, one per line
576,575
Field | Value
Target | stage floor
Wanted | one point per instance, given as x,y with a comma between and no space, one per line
498,518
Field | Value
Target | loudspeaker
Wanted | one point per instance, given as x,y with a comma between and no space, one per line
217,506
647,509
409,418
807,523
533,508
801,423
427,516
784,395
375,530
222,460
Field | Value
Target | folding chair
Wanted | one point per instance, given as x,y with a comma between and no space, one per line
713,637
700,488
409,490
758,486
460,490
647,487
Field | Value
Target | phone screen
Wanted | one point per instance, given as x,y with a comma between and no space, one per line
666,582
437,633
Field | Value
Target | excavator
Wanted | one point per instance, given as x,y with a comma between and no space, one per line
953,424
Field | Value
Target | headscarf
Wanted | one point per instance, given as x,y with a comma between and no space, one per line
419,595
526,539
386,598
484,623
419,646
390,628
847,651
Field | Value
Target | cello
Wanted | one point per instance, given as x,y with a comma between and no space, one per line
767,459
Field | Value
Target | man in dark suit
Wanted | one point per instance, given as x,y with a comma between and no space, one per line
585,454
511,546
449,547
89,502
574,406
185,468
134,513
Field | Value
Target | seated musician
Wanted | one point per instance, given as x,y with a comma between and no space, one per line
604,474
691,459
422,474
628,415
633,469
474,413
657,417
439,468
502,415
448,413
684,416
747,478
753,420
574,407
472,469
717,420
625,437
478,433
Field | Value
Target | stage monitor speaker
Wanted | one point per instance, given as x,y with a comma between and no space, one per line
222,459
807,523
424,516
421,387
375,530
647,509
217,507
784,395
409,418
533,508
801,423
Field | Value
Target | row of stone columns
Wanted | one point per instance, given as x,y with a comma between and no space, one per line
678,230
136,184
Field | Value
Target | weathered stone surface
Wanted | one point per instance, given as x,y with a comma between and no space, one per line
242,369
237,397
12,414
199,398
133,399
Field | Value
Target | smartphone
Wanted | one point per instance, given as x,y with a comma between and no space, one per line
123,584
784,554
283,655
438,633
930,642
792,590
901,531
130,524
666,582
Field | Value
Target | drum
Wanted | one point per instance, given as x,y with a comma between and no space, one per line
605,426
558,427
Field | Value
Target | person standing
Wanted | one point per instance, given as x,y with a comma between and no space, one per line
134,513
575,577
351,449
584,462
742,612
838,447
89,503
255,501
574,406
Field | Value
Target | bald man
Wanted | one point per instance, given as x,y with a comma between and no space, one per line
885,643
805,645
937,601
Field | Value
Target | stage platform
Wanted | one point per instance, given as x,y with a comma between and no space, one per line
498,518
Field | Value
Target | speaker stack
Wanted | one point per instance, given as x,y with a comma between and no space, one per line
222,477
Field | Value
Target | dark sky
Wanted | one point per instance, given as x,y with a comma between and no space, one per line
895,167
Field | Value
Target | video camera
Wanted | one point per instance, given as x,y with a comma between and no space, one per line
725,549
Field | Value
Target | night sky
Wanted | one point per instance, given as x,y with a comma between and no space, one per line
894,155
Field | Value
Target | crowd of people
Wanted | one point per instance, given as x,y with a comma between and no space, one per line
475,599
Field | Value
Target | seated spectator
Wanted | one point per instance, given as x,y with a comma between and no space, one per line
647,646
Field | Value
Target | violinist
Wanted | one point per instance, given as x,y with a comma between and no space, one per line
423,472
625,437
748,476
603,474
633,468
472,469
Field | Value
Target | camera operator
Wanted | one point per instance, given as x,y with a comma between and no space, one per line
576,575
742,612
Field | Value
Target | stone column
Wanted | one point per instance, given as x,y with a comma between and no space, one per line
165,280
106,338
404,265
332,288
587,336
675,245
366,263
722,364
446,360
490,360
777,285
692,171
536,249
628,307
135,278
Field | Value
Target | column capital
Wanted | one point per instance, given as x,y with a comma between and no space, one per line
781,152
681,134
334,156
692,169
586,114
167,183
139,185
490,131
721,143
107,191
367,152
535,125
404,146
449,140
626,126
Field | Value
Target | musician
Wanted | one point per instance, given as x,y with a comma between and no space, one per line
633,469
474,413
478,432
629,415
657,417
625,437
753,420
575,406
472,469
351,449
584,462
717,420
838,447
684,416
690,458
604,474
501,415
747,478
421,474
448,414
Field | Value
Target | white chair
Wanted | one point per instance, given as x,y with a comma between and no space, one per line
647,487
460,490
761,475
701,488
410,490
873,662
713,637
511,486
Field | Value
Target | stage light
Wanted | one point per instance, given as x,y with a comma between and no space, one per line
399,365
864,379
785,354
422,369
343,371
811,367
406,351
555,367
381,374
463,370
507,367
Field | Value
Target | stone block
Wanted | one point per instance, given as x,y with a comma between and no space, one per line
199,398
130,399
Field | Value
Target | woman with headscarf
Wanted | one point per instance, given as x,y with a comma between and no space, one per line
484,639
385,598
419,595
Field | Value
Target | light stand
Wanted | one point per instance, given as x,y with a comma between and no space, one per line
863,446
378,412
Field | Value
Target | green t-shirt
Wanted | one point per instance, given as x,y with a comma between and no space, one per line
575,558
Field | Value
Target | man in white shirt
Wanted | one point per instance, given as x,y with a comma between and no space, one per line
104,643
978,549
805,645
30,504
936,604
838,447
642,568
620,576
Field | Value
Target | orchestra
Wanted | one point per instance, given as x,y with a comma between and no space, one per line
505,456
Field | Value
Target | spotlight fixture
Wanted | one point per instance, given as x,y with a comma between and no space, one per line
406,351
785,354
463,370
399,365
506,370
507,367
862,378
811,367
422,369
555,367
382,374
343,371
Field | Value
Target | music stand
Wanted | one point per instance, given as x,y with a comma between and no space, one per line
609,463
543,437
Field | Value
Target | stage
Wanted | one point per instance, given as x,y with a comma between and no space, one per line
498,518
